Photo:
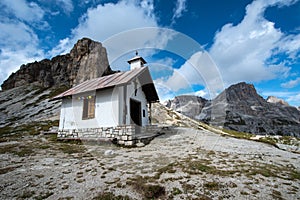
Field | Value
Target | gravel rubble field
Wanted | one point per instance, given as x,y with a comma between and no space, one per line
183,163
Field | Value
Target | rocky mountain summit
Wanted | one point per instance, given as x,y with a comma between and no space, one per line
26,94
87,60
240,108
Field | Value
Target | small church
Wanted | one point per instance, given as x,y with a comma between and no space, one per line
115,107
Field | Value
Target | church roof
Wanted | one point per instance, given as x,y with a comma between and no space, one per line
117,79
137,58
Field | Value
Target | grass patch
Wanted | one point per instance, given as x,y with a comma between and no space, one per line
192,166
293,175
176,191
27,194
276,194
149,191
213,185
71,147
197,167
237,134
268,140
33,128
43,196
167,169
19,150
8,169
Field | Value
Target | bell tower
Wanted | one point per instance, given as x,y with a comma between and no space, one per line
136,62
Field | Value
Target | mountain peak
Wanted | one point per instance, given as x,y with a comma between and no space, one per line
241,92
87,60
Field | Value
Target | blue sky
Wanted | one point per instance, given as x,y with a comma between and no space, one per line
195,47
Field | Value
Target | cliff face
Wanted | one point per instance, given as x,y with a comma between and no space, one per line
240,108
248,112
87,60
26,94
188,105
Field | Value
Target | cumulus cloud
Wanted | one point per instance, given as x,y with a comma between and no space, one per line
197,70
291,83
243,51
29,12
98,23
18,39
109,19
293,98
19,45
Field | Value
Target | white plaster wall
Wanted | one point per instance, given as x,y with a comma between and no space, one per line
106,111
66,120
107,107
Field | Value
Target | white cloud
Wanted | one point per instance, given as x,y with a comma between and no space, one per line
67,5
164,92
294,99
18,40
23,10
19,45
16,34
62,48
110,19
179,9
291,83
106,20
148,7
10,61
290,44
197,70
200,93
242,51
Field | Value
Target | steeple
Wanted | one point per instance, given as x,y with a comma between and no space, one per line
136,62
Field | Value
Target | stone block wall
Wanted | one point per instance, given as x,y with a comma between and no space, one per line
124,134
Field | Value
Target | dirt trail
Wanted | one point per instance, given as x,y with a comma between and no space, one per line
182,164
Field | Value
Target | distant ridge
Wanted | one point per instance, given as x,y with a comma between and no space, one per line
244,110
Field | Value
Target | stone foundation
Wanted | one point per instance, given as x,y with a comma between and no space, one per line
124,134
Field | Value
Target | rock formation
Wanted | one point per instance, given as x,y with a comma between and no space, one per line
26,94
87,60
240,108
188,105
276,100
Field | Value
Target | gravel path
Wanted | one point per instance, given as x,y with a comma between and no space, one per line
181,164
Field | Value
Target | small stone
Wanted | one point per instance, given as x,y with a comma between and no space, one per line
140,144
108,152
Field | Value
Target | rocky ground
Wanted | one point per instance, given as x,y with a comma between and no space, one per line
183,163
